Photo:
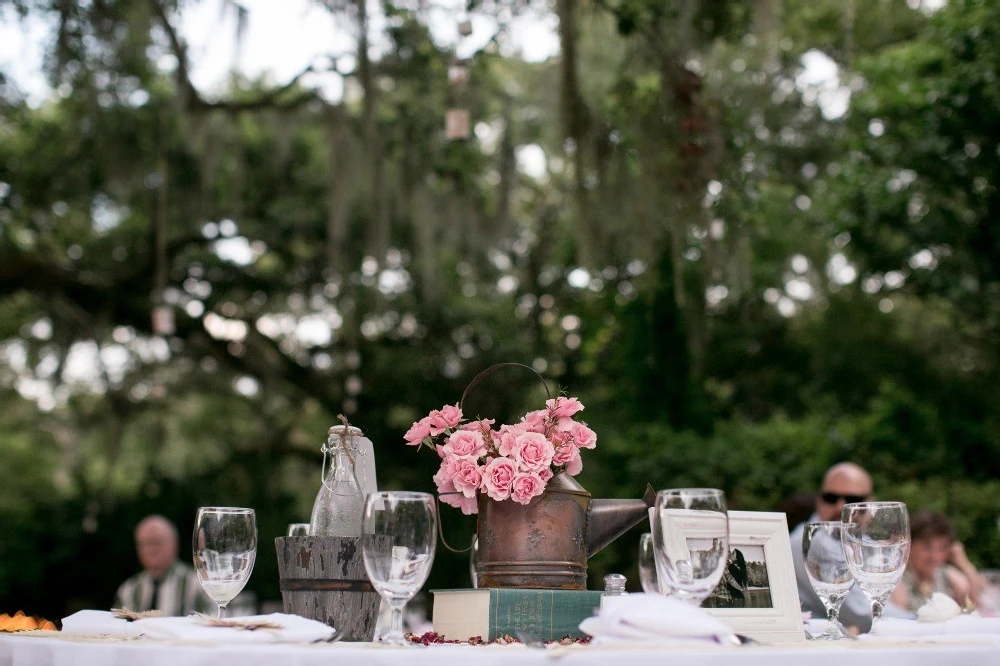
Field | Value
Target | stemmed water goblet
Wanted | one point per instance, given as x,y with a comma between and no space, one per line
876,540
224,550
828,571
647,565
398,537
690,530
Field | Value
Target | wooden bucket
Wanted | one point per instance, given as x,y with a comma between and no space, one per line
324,578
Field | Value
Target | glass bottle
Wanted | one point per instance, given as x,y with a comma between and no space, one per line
340,502
614,591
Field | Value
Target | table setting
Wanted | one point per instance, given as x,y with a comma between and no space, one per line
536,529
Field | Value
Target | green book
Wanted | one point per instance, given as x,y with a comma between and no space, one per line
490,613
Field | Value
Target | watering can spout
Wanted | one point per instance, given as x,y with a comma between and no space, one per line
610,518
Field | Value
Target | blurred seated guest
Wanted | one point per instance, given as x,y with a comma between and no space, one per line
843,483
797,507
164,584
937,564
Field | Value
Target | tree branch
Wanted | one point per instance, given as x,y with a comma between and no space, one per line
270,99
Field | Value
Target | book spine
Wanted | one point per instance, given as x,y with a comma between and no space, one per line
543,614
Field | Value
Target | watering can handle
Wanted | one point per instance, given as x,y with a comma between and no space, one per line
475,382
493,368
441,533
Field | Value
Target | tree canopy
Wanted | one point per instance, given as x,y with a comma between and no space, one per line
745,272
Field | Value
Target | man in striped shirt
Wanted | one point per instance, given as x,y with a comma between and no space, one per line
164,584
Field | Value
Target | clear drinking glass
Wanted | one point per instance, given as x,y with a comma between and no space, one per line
225,547
399,533
876,539
829,574
647,565
298,529
690,541
989,598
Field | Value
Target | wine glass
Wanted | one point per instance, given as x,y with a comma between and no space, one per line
876,539
826,566
647,565
225,547
399,533
690,541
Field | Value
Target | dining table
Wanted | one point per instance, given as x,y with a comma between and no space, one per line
55,648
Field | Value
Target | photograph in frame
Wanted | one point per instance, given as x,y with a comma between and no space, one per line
745,582
770,610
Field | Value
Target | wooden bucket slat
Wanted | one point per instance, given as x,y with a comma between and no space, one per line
324,578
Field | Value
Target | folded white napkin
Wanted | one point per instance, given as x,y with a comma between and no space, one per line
939,607
650,618
293,629
963,627
93,623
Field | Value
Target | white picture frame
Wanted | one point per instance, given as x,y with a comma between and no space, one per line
783,620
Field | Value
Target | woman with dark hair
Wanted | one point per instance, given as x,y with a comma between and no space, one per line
937,564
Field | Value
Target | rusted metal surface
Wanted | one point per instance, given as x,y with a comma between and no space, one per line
545,544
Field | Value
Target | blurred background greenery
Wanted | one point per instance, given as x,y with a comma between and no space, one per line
753,237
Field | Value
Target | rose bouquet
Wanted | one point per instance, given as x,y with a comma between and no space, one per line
508,462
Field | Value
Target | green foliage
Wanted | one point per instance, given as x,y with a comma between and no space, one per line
741,286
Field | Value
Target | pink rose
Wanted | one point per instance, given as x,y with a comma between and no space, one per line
526,485
437,422
508,437
417,432
478,425
498,477
545,475
535,421
452,415
532,451
468,505
468,477
446,473
560,437
562,407
564,454
465,444
574,465
583,437
564,424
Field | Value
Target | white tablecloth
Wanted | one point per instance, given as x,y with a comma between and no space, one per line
51,649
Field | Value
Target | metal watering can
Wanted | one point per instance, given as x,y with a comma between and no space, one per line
546,543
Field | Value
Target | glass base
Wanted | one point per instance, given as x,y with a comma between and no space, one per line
826,636
833,632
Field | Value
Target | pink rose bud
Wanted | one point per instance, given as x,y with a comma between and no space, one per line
417,432
563,407
452,415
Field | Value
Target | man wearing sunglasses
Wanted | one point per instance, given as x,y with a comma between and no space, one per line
843,483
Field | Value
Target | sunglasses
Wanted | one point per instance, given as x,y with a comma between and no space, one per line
833,498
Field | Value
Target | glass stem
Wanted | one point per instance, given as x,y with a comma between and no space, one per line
396,627
833,622
220,611
878,610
